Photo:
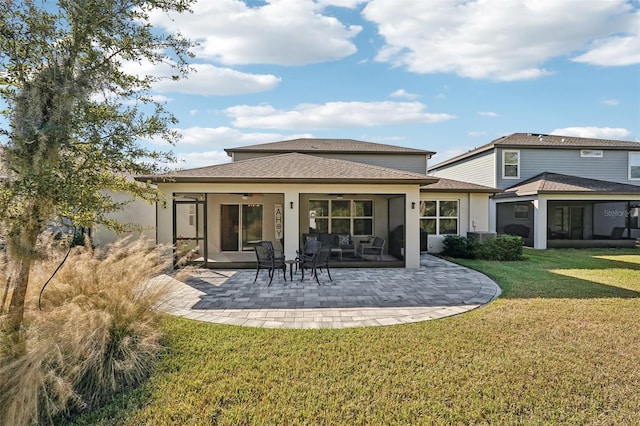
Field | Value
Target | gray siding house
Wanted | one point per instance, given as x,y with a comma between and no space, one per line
559,191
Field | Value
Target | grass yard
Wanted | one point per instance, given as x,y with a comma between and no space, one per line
562,345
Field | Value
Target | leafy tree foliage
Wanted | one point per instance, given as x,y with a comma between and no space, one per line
75,115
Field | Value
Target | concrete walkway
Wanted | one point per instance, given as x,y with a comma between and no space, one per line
355,298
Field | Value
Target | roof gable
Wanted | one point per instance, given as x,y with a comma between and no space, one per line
310,145
293,168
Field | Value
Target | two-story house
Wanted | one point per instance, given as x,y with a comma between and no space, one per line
283,190
558,191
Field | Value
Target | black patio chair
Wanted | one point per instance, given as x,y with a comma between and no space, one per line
319,260
308,250
267,259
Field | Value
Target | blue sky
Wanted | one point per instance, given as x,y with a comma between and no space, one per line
444,76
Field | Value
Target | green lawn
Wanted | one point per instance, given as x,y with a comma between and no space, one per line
562,345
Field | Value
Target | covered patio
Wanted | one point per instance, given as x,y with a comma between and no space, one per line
217,214
560,211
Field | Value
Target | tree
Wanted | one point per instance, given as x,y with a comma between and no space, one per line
76,116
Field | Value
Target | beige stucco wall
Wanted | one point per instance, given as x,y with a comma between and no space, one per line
138,212
473,214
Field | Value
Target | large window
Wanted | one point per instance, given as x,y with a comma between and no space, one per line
439,217
634,165
510,164
353,217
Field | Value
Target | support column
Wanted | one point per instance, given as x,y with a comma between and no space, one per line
540,223
412,230
291,209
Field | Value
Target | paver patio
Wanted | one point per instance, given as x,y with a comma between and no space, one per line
355,298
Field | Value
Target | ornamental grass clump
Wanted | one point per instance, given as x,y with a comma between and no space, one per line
95,336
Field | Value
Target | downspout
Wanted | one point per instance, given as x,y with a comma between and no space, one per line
469,213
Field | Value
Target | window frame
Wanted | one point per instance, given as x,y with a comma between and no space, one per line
352,215
504,164
437,217
631,155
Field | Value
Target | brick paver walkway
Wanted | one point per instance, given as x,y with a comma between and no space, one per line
356,297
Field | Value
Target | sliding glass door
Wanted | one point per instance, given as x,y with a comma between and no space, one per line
241,226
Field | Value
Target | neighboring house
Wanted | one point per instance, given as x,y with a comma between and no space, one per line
559,191
282,190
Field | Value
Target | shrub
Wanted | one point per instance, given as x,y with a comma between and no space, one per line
500,247
458,246
96,336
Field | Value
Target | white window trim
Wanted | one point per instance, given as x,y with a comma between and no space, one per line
629,165
437,216
504,151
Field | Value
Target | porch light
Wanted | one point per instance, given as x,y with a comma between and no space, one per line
245,196
413,205
291,204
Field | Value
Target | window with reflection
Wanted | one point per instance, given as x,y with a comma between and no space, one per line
353,217
439,217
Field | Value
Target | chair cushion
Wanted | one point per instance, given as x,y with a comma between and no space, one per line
344,239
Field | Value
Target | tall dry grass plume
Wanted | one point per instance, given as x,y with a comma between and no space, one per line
97,333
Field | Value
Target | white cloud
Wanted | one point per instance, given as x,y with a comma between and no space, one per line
502,40
160,98
611,102
282,32
193,112
401,93
476,134
613,51
226,137
333,115
205,80
593,132
488,114
341,3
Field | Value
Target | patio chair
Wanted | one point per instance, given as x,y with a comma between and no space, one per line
319,260
308,250
267,259
374,248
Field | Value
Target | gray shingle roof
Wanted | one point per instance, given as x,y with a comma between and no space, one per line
450,185
309,145
558,183
537,140
293,168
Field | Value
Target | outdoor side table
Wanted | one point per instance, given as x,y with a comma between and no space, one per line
290,264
